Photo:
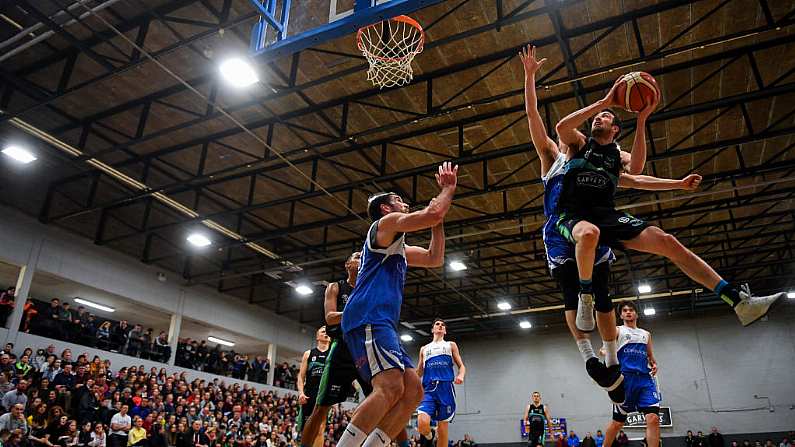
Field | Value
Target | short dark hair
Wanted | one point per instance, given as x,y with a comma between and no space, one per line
438,319
616,120
374,204
626,303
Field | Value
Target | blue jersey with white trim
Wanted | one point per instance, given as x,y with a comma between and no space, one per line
633,351
438,366
378,294
559,250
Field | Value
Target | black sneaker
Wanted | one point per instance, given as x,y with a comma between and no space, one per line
609,378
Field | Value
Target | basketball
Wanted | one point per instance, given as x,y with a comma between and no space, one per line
635,91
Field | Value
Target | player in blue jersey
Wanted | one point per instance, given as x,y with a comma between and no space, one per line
438,382
371,316
639,368
561,252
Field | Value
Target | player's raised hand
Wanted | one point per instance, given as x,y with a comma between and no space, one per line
646,111
447,177
610,99
691,182
529,61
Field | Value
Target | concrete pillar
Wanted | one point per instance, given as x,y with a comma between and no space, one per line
175,327
272,357
24,280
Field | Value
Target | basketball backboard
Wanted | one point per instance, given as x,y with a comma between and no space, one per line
274,36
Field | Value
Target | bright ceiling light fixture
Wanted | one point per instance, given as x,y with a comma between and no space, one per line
649,311
220,341
406,337
457,266
790,294
503,305
199,240
19,154
238,72
524,324
303,289
644,288
94,305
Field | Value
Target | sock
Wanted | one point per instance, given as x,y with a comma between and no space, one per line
352,437
585,286
377,439
586,350
403,443
611,352
728,293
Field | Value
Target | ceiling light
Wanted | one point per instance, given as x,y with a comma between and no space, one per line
199,240
502,305
303,289
790,294
644,288
649,311
94,305
220,341
457,266
238,72
524,324
406,337
19,154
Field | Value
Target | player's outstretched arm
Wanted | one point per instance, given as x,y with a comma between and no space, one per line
567,127
302,398
649,183
429,216
433,256
462,369
330,304
637,159
546,148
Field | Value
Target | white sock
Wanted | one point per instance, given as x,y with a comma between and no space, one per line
352,437
376,439
586,350
611,352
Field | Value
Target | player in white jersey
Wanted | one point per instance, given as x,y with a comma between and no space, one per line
438,380
638,367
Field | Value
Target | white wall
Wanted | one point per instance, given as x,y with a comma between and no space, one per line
77,259
710,370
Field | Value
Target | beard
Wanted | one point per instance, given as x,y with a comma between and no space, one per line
601,132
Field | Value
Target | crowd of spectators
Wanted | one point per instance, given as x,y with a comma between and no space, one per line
714,439
50,399
60,321
194,354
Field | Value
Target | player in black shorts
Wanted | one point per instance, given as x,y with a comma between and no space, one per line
536,418
309,377
336,381
588,214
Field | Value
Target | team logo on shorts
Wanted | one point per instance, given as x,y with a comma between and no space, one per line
623,219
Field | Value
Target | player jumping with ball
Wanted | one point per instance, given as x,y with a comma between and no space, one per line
560,252
588,214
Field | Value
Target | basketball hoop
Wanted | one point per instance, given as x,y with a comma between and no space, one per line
389,47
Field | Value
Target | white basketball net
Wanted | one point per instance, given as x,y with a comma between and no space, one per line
389,47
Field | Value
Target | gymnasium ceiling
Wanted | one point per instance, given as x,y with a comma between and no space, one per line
726,69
